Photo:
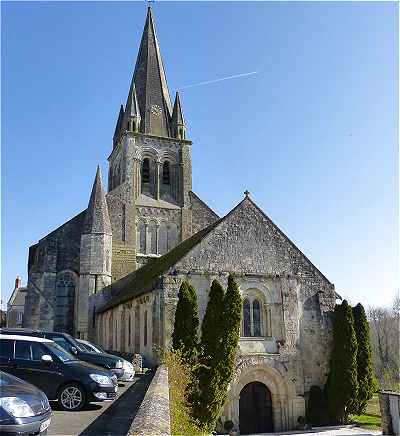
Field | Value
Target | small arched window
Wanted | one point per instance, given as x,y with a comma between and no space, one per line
166,178
256,318
146,171
253,318
246,318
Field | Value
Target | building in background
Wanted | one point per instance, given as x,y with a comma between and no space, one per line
16,304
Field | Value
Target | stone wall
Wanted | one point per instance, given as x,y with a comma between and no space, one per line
153,417
53,255
390,412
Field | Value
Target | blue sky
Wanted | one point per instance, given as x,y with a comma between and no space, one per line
313,136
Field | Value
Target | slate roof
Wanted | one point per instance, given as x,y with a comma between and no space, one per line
97,219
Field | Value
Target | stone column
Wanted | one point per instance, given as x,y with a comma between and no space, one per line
147,248
157,176
157,237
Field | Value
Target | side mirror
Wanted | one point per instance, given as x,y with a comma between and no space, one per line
47,358
74,350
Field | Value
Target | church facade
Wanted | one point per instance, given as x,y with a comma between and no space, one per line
112,273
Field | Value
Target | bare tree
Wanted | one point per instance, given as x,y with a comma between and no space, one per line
385,339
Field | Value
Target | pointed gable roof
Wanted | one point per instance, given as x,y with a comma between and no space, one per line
97,219
151,83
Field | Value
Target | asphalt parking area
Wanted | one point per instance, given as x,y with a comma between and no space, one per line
102,418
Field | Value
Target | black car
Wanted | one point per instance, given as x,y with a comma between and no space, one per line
60,375
24,409
71,345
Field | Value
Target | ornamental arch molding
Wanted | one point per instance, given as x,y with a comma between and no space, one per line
268,372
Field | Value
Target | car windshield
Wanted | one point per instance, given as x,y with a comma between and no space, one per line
63,355
66,342
94,348
75,343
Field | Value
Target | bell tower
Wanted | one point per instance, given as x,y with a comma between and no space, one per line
150,167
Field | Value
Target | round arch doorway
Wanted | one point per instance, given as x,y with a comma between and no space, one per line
255,409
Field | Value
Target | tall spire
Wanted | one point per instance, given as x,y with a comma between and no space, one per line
178,126
151,84
97,219
118,125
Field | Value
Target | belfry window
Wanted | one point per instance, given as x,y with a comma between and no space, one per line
146,171
166,179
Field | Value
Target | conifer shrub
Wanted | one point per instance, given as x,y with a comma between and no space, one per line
317,408
341,386
184,336
232,317
208,402
365,374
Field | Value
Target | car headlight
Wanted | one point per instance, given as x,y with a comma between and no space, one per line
119,364
45,403
16,407
128,366
101,379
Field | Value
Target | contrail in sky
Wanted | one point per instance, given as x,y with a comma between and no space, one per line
236,76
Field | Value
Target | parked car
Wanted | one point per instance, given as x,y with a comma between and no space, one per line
129,372
60,375
71,345
24,409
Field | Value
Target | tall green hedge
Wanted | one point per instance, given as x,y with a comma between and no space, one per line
232,317
342,384
184,336
365,373
208,403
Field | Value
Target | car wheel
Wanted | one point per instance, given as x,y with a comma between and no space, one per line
72,397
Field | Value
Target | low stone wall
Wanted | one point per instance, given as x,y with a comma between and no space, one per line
153,417
389,403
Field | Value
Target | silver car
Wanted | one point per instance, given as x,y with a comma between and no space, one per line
129,372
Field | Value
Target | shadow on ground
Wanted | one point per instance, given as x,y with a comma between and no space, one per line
116,420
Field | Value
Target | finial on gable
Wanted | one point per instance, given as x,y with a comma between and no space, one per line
246,193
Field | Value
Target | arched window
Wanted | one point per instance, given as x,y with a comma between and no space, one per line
246,318
256,318
253,317
141,237
166,179
146,171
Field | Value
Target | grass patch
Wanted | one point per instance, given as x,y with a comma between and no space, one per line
371,419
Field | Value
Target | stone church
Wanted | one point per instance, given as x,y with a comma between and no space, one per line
112,273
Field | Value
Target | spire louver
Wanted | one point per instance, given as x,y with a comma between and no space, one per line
132,112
